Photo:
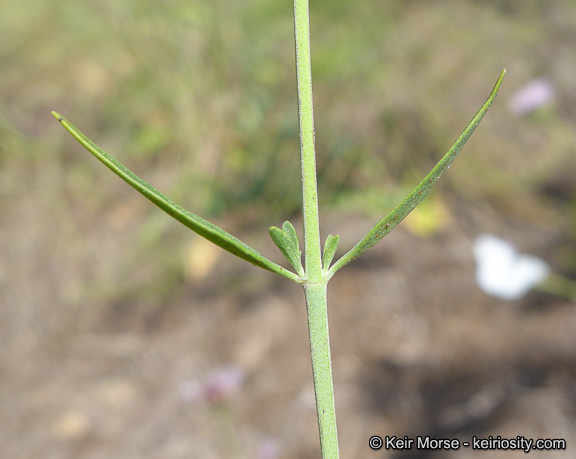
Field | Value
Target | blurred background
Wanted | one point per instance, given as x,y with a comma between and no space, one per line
124,335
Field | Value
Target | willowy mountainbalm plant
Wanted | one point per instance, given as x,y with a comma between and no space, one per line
318,268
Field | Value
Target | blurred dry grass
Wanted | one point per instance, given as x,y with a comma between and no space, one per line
104,309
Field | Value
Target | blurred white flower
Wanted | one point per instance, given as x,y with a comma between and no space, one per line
532,96
504,273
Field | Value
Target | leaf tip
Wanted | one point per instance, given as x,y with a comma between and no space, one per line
57,116
499,81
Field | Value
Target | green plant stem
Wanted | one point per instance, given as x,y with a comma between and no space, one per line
322,368
313,263
315,281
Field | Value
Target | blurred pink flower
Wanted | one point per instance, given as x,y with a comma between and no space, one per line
532,96
218,387
268,449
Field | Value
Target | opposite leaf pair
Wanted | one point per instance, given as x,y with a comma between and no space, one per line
286,238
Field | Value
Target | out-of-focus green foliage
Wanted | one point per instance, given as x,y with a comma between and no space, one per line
199,98
207,90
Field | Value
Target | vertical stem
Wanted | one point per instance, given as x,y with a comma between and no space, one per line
322,368
313,263
315,281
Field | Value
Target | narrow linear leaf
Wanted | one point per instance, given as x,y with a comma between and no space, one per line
388,223
286,240
330,247
197,224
